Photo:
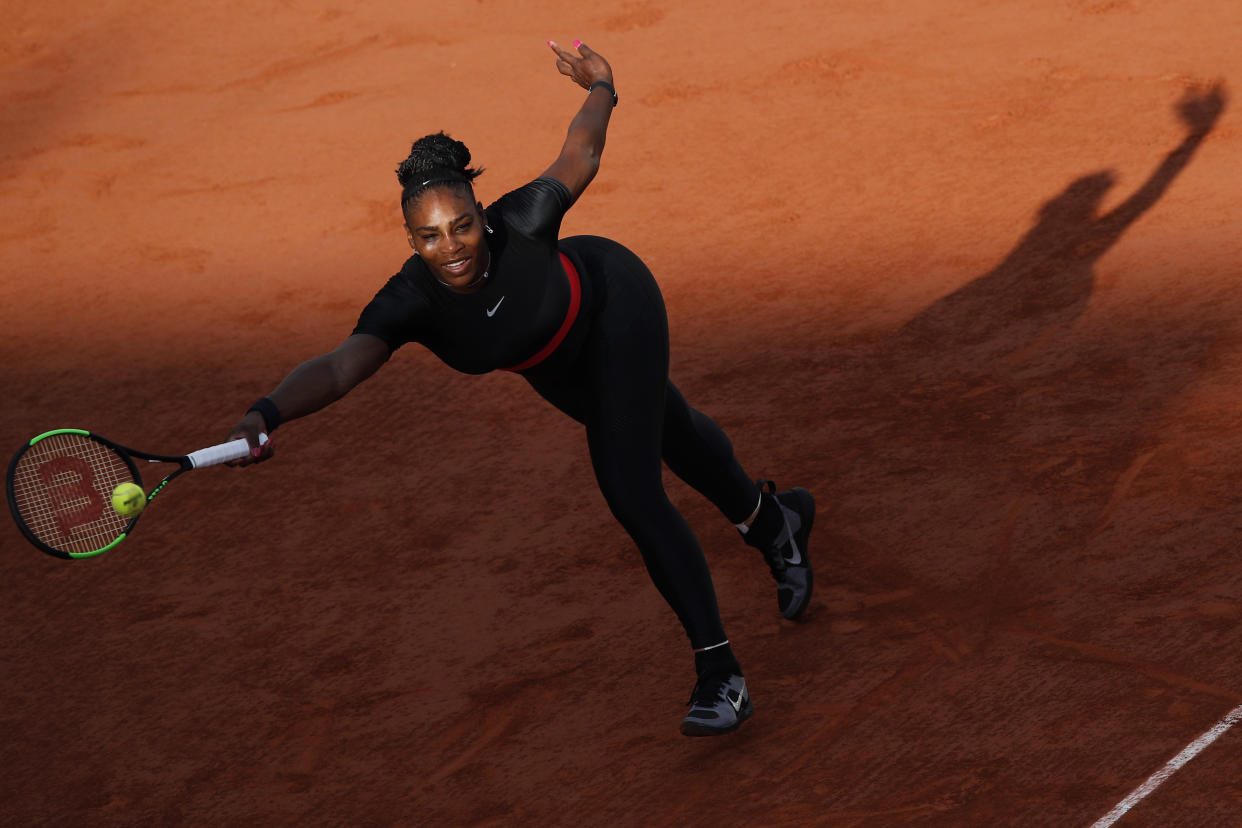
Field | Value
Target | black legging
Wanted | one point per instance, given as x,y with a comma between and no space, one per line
618,387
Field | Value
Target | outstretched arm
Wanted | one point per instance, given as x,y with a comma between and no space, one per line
313,385
1199,111
579,158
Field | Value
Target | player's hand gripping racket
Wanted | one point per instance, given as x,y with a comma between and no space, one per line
60,488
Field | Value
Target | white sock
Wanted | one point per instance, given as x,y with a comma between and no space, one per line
742,527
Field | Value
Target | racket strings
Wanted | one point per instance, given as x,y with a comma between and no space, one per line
62,487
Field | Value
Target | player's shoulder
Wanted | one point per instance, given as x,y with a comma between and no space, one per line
398,310
410,280
534,206
543,187
406,291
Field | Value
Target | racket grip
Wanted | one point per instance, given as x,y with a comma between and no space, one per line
223,453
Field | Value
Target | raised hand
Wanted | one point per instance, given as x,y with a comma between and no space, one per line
584,67
1200,108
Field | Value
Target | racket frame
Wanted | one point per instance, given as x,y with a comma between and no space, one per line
184,464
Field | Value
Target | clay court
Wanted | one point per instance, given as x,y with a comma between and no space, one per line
956,267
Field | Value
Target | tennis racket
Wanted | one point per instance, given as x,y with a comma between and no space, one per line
60,485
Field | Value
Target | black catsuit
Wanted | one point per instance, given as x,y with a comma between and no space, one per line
598,331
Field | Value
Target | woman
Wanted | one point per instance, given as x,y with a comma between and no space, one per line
582,320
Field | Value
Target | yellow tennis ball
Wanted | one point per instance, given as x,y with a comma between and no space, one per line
128,499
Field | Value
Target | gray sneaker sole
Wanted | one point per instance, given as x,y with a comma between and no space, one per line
693,728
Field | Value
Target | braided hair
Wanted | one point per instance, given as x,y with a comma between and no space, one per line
436,160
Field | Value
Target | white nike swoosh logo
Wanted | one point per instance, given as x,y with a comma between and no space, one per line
736,703
796,558
492,312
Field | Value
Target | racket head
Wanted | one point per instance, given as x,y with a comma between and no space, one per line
59,488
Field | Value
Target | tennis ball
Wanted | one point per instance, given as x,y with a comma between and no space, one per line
128,499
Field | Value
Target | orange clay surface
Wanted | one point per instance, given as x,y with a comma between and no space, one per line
1019,411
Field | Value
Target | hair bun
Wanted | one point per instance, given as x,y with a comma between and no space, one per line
435,153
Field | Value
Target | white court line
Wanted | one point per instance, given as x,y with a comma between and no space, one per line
1173,766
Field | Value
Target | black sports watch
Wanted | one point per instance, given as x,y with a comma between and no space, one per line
607,86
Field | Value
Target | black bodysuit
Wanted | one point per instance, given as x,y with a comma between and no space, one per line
588,312
513,316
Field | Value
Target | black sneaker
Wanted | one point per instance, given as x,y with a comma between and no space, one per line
788,555
718,704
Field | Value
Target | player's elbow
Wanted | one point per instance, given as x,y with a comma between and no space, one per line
358,358
590,155
584,148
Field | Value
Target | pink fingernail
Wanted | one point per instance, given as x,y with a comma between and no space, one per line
549,43
255,452
577,43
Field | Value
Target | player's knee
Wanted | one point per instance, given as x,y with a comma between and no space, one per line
633,506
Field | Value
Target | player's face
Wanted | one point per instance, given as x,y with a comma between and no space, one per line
445,229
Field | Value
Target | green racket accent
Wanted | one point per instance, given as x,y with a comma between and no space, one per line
97,551
58,487
58,484
60,431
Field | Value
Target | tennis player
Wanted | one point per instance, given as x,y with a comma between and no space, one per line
581,319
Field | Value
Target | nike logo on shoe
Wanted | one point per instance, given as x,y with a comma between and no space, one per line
736,703
796,558
492,312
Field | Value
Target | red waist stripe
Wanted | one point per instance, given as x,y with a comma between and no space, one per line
575,301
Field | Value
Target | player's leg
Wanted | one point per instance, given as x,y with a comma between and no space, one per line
619,396
623,438
619,392
776,523
624,432
698,451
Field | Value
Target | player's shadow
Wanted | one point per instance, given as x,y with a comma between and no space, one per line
1043,285
992,407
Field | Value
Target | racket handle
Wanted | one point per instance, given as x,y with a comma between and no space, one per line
223,453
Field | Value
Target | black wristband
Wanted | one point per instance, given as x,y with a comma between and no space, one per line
269,411
607,86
